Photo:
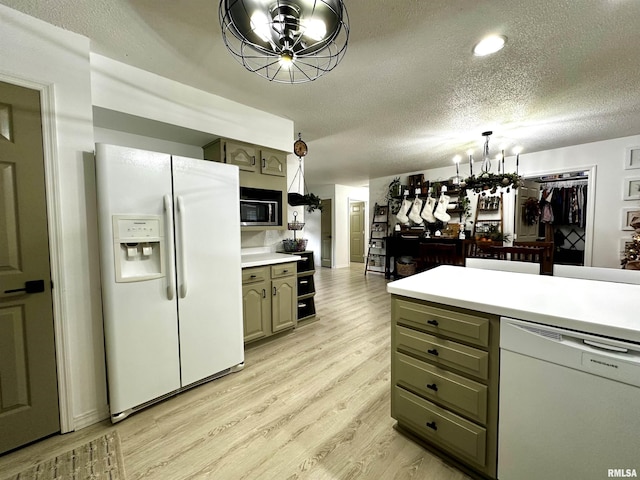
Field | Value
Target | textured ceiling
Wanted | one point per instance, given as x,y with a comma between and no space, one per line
409,94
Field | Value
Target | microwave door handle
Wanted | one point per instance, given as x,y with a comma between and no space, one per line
170,262
270,218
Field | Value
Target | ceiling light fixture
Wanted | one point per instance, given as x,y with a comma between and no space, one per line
490,181
286,41
489,45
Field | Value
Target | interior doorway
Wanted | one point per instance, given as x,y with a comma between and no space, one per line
326,234
565,202
356,231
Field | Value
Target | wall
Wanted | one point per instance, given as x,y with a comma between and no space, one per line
340,196
123,88
607,156
36,52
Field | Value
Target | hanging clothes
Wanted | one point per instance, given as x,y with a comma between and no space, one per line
564,204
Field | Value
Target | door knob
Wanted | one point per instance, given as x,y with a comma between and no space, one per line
31,286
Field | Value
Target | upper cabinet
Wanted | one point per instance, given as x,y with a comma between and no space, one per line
241,154
260,167
273,162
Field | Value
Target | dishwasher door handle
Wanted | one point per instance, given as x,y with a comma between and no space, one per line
604,346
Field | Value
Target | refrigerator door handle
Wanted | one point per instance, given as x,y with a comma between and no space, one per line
183,258
168,218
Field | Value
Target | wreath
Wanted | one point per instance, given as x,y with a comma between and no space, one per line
530,211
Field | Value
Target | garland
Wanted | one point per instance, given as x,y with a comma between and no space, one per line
492,182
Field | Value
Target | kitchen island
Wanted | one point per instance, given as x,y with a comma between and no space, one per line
445,336
602,308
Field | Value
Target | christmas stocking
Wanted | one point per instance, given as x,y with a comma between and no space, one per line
414,216
427,211
402,214
441,209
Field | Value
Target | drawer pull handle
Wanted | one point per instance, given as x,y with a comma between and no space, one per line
285,271
433,351
433,322
275,291
432,425
253,276
304,282
432,386
264,293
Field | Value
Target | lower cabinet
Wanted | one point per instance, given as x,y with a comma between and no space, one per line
269,296
444,380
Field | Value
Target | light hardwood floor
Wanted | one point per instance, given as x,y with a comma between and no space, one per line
311,404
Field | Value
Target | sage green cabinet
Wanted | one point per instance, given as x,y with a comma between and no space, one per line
269,296
256,303
444,379
241,154
283,304
260,167
273,162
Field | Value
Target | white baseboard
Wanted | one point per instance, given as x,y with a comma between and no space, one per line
91,417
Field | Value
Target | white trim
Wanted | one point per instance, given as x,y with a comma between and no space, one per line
591,203
92,417
52,189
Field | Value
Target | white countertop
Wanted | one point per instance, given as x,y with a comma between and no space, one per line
267,258
602,308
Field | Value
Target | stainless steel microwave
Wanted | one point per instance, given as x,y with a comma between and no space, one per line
258,213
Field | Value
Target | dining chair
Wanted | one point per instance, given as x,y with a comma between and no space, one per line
503,265
615,275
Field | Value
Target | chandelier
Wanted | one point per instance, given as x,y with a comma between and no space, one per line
286,41
487,180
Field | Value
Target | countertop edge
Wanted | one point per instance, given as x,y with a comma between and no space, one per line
261,259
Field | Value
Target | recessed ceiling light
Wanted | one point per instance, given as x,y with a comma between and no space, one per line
489,45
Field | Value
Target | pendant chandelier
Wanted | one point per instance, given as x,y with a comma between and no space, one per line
487,180
286,41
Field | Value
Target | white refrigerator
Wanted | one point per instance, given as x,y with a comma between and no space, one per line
171,273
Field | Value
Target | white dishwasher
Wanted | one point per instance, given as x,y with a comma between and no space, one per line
569,404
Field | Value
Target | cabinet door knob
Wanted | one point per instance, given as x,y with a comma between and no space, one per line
253,160
274,291
264,293
433,351
433,322
432,425
432,386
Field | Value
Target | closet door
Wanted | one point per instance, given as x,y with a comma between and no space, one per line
524,232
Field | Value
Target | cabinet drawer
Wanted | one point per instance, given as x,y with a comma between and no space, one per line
256,274
442,352
441,427
283,270
465,396
450,323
